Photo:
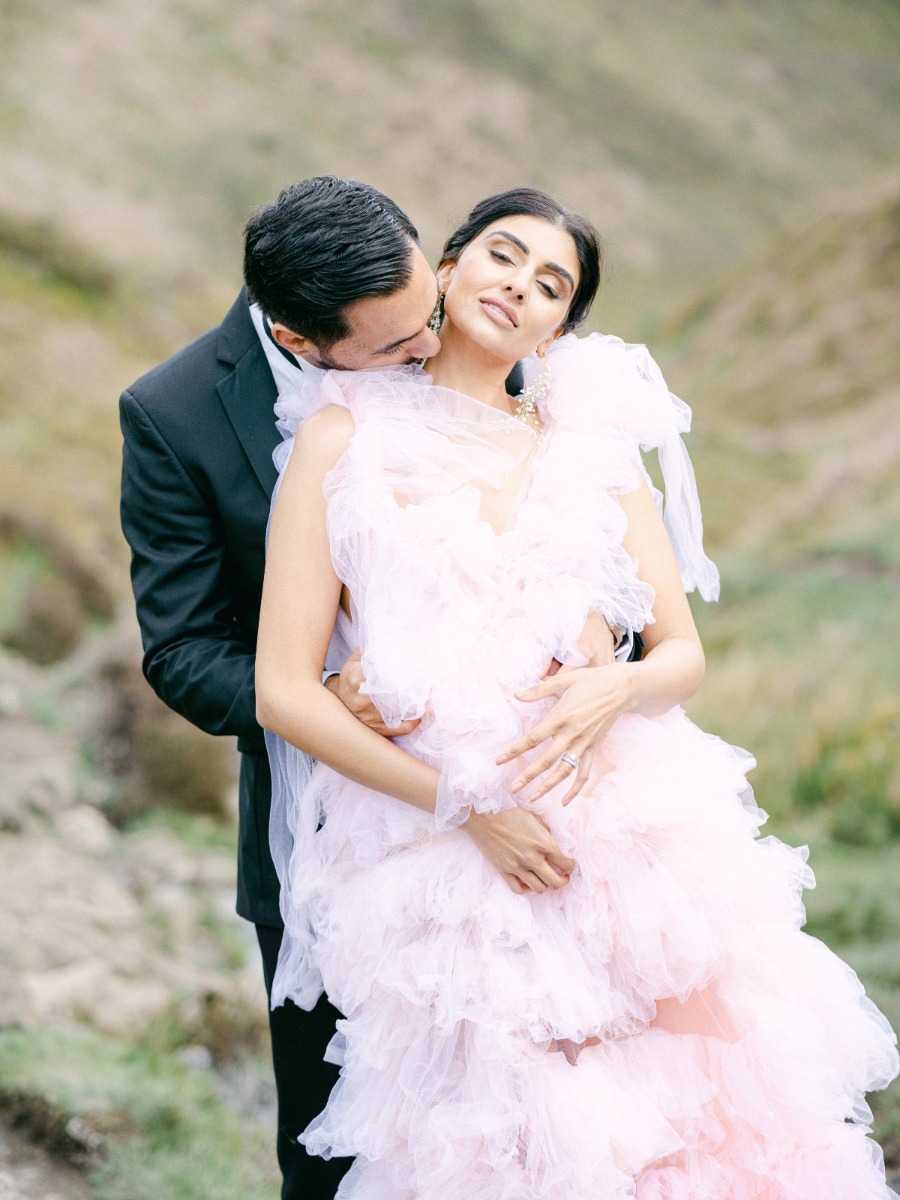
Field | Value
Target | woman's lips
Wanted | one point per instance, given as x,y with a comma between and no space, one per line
501,313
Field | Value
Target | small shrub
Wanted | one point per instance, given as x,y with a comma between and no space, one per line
45,1123
160,761
854,775
866,823
230,1028
48,589
162,1131
50,622
181,767
862,917
71,262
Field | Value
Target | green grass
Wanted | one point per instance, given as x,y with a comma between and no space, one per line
20,563
166,1133
194,829
800,672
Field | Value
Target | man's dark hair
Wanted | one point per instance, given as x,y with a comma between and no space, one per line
531,202
324,243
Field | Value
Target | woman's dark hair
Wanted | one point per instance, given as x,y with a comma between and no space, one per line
324,243
531,202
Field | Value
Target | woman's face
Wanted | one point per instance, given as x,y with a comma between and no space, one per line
511,287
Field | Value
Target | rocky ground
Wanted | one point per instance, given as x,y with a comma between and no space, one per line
118,924
126,927
28,1173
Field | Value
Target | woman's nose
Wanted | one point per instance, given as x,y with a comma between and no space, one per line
516,288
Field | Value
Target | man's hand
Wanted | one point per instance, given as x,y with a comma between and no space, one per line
588,701
346,687
520,846
597,643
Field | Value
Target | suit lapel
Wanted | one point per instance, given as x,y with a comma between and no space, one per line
248,392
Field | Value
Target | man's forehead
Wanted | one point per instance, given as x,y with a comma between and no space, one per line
383,322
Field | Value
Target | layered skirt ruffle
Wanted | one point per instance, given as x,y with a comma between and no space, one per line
659,1028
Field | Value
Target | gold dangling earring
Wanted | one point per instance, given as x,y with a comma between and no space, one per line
530,397
437,317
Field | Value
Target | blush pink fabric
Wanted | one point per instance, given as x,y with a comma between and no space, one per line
660,1028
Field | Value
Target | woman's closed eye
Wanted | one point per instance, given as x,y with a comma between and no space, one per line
548,290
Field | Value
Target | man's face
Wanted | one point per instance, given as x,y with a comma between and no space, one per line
384,330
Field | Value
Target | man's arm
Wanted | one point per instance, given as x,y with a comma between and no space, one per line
195,657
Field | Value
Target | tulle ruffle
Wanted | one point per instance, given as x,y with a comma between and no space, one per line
727,1053
660,1028
619,388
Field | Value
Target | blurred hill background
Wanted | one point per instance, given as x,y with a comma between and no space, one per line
741,162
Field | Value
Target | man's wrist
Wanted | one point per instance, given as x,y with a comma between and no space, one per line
619,637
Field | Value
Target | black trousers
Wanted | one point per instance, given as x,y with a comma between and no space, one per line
303,1082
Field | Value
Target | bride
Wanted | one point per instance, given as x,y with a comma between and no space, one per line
631,1011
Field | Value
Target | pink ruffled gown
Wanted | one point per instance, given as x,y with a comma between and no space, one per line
726,1055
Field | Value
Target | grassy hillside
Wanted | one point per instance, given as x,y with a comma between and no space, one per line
793,367
687,130
793,364
725,153
136,140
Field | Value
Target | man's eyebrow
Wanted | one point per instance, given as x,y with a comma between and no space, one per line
393,346
399,342
553,267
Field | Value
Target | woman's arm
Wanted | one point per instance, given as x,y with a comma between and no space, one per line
592,698
299,605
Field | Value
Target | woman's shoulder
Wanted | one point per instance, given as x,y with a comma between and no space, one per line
615,386
604,387
326,433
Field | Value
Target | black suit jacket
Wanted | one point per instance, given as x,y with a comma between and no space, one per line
197,479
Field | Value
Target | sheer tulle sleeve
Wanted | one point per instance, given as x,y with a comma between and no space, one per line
602,381
296,808
293,820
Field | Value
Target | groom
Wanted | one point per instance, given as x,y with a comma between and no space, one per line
335,278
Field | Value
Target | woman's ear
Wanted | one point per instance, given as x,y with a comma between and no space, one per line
444,274
542,347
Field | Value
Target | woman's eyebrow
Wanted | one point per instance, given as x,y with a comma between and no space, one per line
555,268
511,237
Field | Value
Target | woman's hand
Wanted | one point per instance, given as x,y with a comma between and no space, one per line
597,644
589,700
522,849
